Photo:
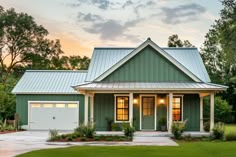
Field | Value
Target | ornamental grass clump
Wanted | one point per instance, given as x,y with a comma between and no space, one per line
87,131
128,130
218,131
177,129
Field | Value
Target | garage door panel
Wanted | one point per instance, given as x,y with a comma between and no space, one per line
56,116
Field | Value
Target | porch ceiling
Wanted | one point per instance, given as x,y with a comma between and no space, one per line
147,86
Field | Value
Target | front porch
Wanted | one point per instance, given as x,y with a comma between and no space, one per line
145,110
144,104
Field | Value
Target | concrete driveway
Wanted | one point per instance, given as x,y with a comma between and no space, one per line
13,144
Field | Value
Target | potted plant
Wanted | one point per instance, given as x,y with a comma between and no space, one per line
162,123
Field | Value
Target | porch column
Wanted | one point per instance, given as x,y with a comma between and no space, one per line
131,96
170,111
211,111
86,109
201,114
92,108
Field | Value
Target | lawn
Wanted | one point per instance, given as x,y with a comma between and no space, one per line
193,149
230,128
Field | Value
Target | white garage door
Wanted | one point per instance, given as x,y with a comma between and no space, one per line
53,115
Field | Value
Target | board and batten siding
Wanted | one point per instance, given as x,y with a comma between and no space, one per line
22,104
191,112
148,66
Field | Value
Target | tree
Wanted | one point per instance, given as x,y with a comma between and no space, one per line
23,42
222,110
219,48
218,51
174,41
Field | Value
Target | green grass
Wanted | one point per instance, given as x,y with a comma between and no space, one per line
193,149
230,128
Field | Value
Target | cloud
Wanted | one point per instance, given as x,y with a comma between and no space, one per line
102,4
127,3
89,17
112,29
181,13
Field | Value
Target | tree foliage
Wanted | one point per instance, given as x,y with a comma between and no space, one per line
174,41
219,48
24,45
222,110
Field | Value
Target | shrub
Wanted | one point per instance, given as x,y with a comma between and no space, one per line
86,130
162,123
83,138
231,136
97,138
177,129
69,138
108,139
109,123
206,126
128,130
218,131
115,127
53,135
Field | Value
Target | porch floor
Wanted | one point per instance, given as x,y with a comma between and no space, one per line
155,133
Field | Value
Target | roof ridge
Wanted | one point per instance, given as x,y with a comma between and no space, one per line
82,71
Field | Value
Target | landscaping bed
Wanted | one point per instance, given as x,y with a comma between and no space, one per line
75,137
86,133
10,131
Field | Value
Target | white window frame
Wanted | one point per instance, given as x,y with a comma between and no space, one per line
50,102
118,121
182,105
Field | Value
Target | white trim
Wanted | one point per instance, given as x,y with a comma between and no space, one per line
155,109
86,100
92,108
137,50
116,121
49,102
170,112
211,111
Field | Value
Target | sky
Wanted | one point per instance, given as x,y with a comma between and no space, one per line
82,25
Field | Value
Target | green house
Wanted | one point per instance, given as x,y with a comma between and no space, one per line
142,86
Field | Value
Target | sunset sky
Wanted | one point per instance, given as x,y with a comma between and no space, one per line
82,25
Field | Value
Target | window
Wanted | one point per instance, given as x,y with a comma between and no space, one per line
148,104
122,108
47,105
177,108
72,105
60,105
35,105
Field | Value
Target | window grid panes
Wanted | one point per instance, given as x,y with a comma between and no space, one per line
148,106
122,108
177,109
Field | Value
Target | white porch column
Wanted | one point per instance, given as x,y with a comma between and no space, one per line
131,97
201,114
170,111
211,111
92,108
86,109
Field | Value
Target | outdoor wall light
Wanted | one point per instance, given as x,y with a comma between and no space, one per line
135,101
162,101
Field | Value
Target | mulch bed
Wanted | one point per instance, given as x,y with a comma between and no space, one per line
103,139
12,131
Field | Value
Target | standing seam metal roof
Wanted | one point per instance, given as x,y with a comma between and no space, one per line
49,81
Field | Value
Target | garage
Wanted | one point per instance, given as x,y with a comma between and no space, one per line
53,115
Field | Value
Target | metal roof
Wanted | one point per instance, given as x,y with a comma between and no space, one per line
105,58
49,82
142,86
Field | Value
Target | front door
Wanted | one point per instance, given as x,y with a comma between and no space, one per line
148,110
